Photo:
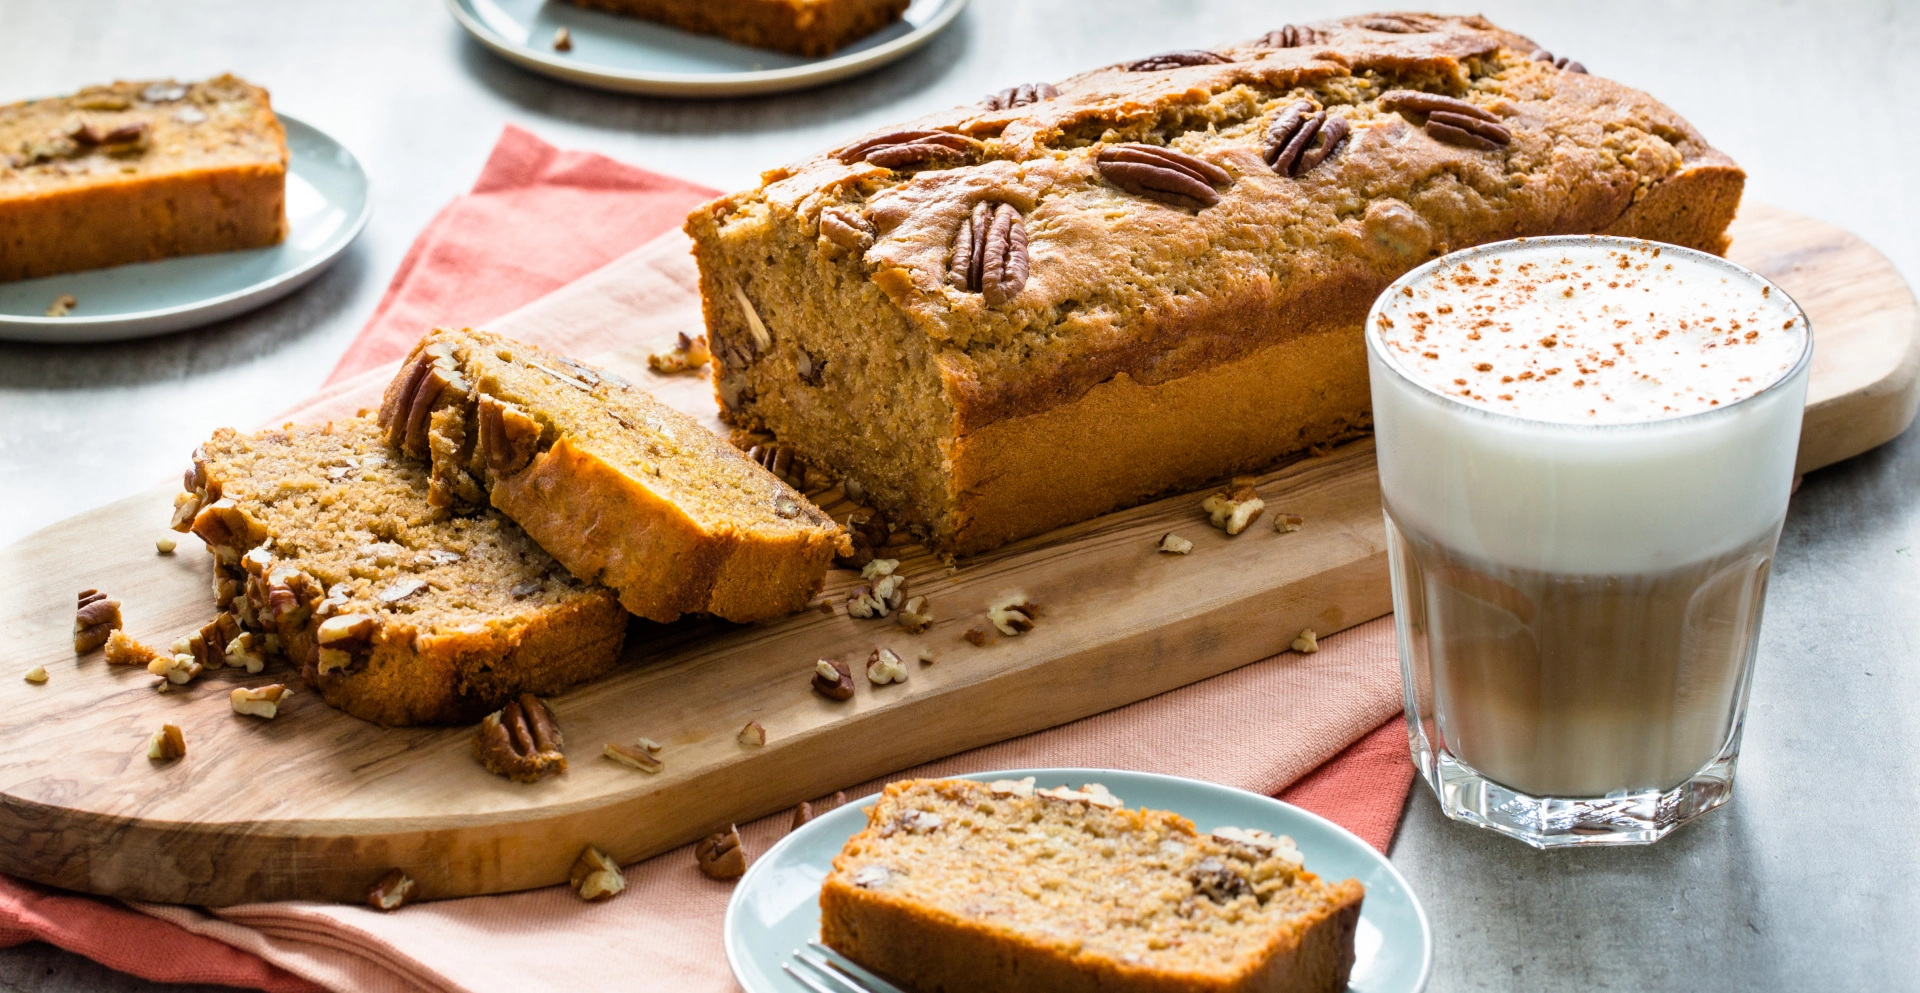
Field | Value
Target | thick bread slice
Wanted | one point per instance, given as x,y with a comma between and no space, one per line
620,488
396,610
967,887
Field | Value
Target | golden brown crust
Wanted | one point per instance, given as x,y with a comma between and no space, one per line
1127,288
206,173
802,27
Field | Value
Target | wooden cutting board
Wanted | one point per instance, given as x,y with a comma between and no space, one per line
316,804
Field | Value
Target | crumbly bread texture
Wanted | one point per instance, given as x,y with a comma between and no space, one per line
139,171
620,488
1014,315
801,27
396,610
962,886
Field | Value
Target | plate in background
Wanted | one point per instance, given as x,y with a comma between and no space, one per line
635,56
327,205
776,906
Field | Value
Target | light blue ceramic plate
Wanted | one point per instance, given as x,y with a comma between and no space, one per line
327,205
634,56
776,906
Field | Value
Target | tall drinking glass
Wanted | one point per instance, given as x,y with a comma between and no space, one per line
1586,446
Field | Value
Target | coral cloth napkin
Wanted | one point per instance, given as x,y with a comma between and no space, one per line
614,277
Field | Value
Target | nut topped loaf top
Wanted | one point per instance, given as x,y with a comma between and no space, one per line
1074,878
619,487
449,615
1161,217
127,130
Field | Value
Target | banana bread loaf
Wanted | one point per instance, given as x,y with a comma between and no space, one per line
1010,316
802,27
395,610
135,172
619,487
961,886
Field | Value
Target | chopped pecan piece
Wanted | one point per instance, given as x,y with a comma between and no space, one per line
259,701
754,734
720,855
687,355
867,529
1212,878
1291,36
228,530
833,680
885,666
781,461
406,410
1013,614
642,755
62,305
167,744
595,877
1392,24
1173,544
1307,643
1542,55
1175,60
1232,510
1162,174
508,437
1301,138
911,148
520,741
562,40
37,674
1020,96
391,891
915,615
344,640
1285,523
976,636
94,621
990,253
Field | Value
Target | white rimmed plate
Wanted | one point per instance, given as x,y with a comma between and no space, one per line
635,56
776,906
327,205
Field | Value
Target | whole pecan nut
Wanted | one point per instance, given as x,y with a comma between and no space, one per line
1542,55
990,253
845,227
1451,120
1020,96
779,460
520,741
1291,36
94,621
1176,60
911,148
406,410
1392,25
1162,174
509,436
1301,138
720,854
228,530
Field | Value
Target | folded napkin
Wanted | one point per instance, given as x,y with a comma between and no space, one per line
1318,730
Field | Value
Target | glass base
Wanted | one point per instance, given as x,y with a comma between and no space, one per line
1620,818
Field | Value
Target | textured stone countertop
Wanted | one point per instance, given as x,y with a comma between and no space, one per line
1804,882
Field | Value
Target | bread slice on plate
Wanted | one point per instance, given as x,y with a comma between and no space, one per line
620,488
139,171
327,549
963,886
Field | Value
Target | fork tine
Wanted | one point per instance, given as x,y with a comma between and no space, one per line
843,981
811,984
867,981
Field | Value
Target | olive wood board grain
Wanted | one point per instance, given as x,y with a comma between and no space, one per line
315,804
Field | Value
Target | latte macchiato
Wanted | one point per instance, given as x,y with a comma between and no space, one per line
1586,447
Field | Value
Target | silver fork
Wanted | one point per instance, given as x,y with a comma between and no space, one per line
826,971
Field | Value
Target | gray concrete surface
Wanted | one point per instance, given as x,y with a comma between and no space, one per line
1806,881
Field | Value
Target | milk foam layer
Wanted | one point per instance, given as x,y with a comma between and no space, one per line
1629,490
1591,330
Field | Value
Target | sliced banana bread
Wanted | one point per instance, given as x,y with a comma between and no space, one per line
963,886
619,487
395,609
1006,317
134,172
